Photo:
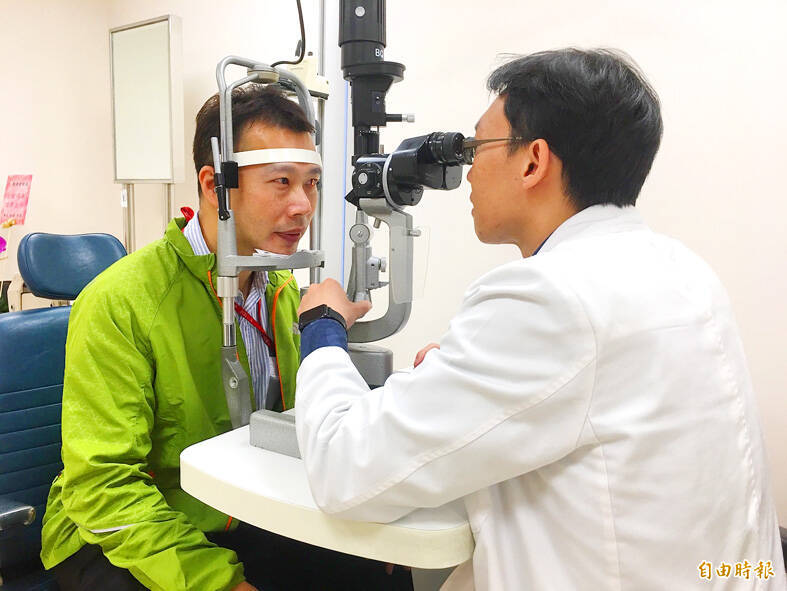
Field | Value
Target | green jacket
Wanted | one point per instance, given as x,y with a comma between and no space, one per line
142,383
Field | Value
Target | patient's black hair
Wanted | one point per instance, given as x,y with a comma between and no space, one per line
252,103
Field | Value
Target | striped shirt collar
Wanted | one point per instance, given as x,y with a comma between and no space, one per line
193,233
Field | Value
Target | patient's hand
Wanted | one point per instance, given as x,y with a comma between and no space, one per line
389,568
329,292
419,357
244,586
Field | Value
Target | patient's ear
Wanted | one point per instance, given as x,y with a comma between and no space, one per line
207,185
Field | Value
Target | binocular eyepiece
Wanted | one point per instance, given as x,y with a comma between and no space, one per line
447,147
434,161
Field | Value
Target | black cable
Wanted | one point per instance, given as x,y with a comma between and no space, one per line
303,40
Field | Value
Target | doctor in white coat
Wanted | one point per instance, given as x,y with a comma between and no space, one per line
591,404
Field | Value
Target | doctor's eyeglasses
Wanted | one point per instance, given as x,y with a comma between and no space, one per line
470,144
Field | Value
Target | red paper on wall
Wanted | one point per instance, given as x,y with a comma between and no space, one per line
17,193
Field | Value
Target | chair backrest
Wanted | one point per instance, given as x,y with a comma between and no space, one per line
32,358
58,267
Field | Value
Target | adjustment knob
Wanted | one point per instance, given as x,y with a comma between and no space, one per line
360,233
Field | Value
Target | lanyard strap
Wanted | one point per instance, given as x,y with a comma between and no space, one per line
244,314
257,324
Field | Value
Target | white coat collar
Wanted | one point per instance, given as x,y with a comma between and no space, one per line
594,221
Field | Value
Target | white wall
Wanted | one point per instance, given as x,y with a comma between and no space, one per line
716,184
55,117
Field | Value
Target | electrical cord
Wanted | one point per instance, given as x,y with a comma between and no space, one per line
302,43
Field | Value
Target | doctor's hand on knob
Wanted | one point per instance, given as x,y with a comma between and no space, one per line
330,293
419,357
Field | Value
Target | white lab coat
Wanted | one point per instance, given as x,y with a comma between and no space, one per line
592,407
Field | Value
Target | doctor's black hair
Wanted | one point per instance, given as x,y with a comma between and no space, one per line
596,111
251,103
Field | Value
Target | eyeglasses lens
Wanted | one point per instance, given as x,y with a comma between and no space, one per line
468,150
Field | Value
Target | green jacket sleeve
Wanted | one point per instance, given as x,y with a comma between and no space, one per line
108,415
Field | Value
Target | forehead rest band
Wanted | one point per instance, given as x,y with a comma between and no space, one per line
273,155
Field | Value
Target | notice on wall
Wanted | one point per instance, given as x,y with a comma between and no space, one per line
17,193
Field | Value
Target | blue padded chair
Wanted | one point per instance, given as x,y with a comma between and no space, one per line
32,357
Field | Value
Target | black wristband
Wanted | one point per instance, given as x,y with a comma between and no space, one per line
321,311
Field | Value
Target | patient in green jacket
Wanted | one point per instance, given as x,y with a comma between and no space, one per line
143,382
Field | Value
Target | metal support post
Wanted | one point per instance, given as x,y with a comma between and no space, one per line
129,228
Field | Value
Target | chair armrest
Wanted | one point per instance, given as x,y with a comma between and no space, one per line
13,513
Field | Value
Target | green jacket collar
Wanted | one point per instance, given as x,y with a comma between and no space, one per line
198,264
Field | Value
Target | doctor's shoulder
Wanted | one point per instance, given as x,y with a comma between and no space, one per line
544,279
